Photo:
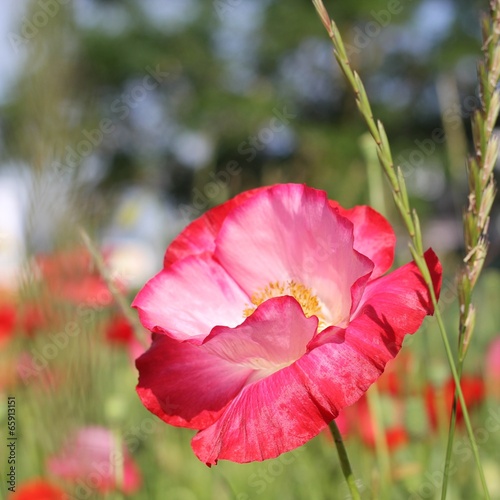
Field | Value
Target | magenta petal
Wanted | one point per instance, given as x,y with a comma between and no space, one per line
281,412
190,297
393,306
269,417
373,235
274,336
262,385
285,410
185,385
189,385
290,233
199,236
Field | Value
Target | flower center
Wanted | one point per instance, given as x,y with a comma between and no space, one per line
304,296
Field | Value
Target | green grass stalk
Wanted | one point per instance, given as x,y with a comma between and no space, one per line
482,192
373,173
381,446
409,215
120,299
377,201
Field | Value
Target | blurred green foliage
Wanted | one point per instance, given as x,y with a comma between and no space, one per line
229,64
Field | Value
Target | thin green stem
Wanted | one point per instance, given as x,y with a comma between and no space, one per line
373,174
451,436
344,461
227,486
456,378
377,200
461,398
117,462
117,295
381,446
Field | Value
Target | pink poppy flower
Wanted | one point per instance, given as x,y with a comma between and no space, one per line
33,369
492,368
93,459
271,315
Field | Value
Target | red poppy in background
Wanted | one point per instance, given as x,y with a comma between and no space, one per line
359,419
37,316
119,331
25,317
473,389
271,315
94,459
38,489
7,322
71,276
396,373
8,373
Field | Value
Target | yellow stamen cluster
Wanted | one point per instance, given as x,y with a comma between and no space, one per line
303,295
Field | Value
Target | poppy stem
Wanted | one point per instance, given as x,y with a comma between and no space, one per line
344,460
451,436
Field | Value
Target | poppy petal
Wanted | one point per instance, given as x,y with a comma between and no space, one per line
278,413
173,376
291,406
274,336
305,241
199,236
184,384
187,299
373,235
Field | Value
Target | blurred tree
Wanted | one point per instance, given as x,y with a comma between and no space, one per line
185,87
